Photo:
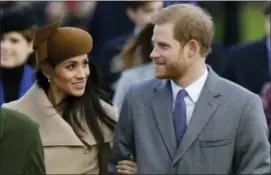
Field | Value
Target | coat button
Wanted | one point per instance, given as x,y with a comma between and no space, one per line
86,150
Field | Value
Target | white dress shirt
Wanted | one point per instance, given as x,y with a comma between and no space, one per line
193,93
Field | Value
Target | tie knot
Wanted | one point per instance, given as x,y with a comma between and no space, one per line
181,94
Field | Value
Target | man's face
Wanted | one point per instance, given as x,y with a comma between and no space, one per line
168,54
142,15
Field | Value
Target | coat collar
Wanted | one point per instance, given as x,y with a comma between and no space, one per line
54,130
25,84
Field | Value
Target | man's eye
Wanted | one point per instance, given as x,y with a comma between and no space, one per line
163,46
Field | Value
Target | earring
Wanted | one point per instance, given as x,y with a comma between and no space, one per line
49,80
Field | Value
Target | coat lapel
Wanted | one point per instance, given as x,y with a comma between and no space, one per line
54,130
204,109
161,101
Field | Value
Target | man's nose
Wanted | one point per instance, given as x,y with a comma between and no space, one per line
154,54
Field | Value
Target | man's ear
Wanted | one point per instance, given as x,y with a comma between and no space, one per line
191,48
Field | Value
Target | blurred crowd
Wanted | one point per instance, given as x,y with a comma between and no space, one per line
120,52
116,41
122,43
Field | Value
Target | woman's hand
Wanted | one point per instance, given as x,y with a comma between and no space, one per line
126,167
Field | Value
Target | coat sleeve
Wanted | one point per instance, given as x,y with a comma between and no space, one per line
35,163
123,145
252,155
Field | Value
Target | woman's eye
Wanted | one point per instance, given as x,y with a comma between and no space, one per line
70,67
85,63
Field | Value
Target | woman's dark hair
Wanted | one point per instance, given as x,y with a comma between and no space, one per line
90,108
143,42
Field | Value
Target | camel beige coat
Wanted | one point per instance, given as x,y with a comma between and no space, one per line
64,152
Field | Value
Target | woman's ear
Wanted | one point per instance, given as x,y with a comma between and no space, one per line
47,76
46,69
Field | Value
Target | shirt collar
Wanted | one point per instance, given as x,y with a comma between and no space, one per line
193,90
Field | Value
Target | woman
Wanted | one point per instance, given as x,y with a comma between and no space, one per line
76,120
136,63
17,29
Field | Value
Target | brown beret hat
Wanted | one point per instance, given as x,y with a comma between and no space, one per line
56,44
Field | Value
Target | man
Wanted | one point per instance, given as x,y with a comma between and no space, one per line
194,121
249,64
139,12
21,151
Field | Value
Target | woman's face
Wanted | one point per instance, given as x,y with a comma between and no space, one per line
15,49
71,76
